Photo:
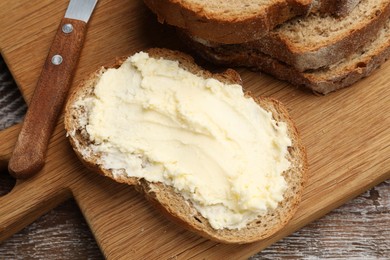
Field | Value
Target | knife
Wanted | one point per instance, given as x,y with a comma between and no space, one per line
28,156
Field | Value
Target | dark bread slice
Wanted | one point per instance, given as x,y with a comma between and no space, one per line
163,197
324,80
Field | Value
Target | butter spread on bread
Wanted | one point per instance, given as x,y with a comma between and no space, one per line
213,159
152,119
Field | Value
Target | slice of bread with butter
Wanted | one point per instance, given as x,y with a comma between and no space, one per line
225,165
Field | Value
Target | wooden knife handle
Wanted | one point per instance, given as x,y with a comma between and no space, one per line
49,95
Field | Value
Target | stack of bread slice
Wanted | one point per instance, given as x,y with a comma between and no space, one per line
323,45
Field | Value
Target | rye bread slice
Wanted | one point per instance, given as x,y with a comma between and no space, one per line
163,197
324,80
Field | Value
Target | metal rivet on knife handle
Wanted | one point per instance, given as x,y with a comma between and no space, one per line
56,59
67,28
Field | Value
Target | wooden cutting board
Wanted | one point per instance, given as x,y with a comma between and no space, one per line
347,135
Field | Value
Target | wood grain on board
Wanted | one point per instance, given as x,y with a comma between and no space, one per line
357,230
347,136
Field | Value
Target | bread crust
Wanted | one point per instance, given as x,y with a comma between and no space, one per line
220,28
172,204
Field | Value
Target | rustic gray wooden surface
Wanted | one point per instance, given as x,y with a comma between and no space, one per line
358,230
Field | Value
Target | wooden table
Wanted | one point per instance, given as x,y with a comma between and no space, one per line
360,229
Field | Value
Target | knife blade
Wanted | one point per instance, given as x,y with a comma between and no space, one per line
28,156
